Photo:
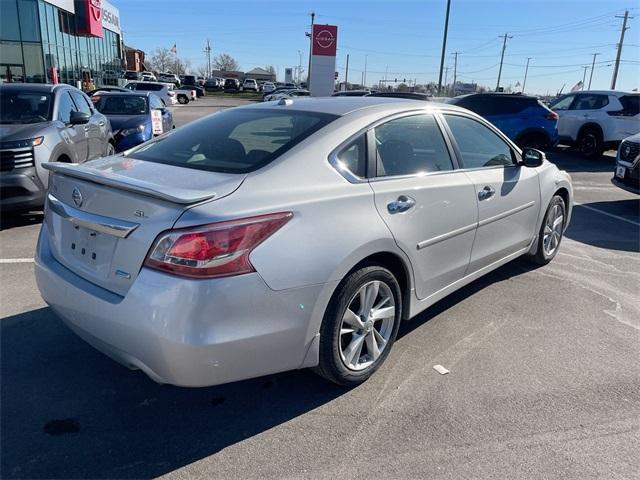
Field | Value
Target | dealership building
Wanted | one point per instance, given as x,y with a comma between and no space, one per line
70,41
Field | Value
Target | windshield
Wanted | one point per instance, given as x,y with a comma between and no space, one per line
24,107
233,141
121,104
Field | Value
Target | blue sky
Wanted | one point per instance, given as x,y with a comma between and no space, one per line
404,37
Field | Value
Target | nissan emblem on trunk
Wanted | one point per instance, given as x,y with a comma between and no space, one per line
76,196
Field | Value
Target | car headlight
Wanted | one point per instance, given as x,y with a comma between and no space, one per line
132,131
30,142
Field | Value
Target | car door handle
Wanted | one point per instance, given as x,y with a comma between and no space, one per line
486,192
402,204
86,128
101,124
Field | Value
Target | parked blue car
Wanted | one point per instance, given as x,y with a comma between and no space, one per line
131,114
524,119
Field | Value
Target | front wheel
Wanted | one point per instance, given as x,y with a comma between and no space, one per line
551,231
359,326
182,100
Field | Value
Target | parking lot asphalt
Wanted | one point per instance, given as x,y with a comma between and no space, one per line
544,378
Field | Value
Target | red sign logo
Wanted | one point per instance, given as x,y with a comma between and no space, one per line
325,40
96,9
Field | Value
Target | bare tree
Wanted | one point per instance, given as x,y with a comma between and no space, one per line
225,62
181,66
203,71
161,60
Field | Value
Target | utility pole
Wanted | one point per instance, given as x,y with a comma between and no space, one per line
446,75
593,64
444,46
313,17
299,66
455,71
584,76
504,46
346,73
207,50
364,76
617,66
526,70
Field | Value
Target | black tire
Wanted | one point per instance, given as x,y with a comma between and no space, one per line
539,141
182,99
590,143
542,256
331,365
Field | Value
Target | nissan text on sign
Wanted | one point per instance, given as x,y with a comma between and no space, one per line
323,60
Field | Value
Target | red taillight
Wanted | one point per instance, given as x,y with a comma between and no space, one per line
215,250
552,116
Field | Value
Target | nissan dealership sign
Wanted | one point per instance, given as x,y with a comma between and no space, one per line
93,15
323,60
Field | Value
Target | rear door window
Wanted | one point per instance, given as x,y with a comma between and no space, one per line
630,105
234,140
563,103
409,146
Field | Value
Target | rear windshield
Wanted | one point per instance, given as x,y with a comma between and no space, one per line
234,140
120,104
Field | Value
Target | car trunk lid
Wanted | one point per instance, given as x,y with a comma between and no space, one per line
103,216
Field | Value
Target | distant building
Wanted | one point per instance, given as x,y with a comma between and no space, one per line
257,74
464,88
261,74
135,59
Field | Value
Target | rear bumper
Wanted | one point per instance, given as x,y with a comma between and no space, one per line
184,332
20,190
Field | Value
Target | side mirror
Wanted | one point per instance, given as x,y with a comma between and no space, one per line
532,157
79,118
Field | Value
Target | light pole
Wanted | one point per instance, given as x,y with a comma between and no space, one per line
584,76
593,64
444,45
526,70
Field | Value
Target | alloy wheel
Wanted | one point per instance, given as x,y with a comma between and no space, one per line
367,325
553,226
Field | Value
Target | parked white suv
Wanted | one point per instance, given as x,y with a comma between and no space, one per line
164,90
250,84
596,120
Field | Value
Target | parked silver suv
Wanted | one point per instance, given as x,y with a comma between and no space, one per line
45,123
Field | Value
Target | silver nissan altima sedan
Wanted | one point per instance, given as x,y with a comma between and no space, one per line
289,234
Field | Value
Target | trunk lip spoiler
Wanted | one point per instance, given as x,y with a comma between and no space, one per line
185,197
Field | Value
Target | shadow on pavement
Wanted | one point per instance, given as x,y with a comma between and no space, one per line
70,412
21,219
572,161
604,231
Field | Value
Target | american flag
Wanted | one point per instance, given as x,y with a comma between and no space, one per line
174,49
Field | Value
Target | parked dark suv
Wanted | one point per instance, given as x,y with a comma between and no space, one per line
231,84
191,81
524,119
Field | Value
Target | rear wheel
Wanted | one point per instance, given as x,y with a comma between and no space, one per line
359,326
551,231
590,143
183,100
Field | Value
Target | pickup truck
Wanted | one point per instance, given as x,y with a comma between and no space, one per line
185,95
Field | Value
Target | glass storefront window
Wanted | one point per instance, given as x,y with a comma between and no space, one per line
9,29
29,24
33,68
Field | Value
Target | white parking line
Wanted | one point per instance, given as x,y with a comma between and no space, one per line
16,260
637,224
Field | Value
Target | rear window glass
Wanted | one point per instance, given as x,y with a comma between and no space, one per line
121,105
630,104
154,87
233,141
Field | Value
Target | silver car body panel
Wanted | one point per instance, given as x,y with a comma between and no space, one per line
204,332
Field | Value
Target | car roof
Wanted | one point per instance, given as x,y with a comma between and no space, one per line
345,105
608,92
496,94
141,93
37,87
